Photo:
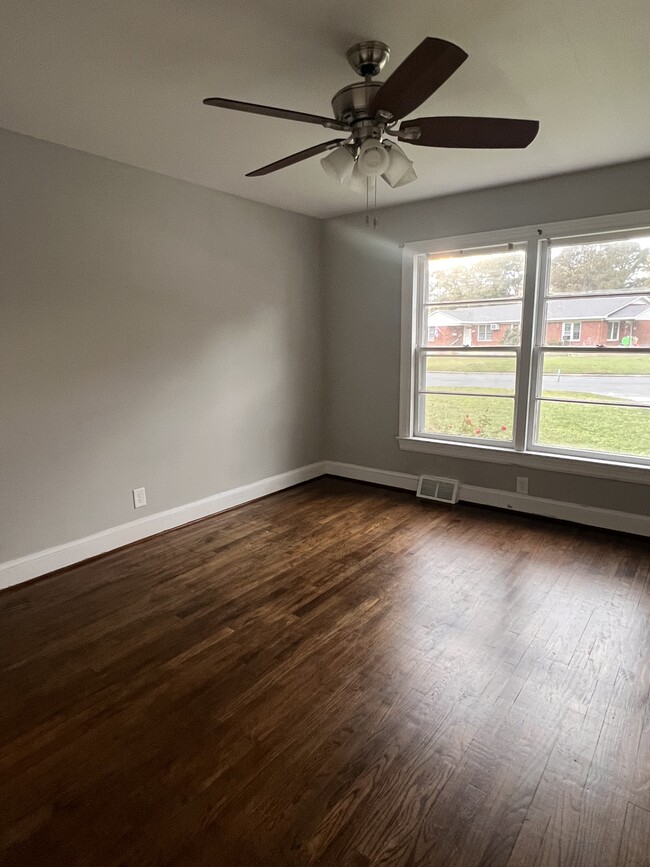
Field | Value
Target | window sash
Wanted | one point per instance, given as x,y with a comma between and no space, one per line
483,336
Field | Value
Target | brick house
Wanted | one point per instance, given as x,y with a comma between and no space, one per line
587,321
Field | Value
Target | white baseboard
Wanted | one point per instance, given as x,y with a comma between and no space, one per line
367,474
608,519
34,565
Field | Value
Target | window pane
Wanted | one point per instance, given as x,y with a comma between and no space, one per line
608,321
491,373
472,417
475,275
472,325
608,377
597,266
621,430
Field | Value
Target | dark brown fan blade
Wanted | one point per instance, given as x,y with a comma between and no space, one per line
270,111
296,158
420,75
471,132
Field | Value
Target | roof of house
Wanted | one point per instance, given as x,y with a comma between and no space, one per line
620,307
624,306
476,315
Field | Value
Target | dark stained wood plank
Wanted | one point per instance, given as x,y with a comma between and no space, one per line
635,839
334,675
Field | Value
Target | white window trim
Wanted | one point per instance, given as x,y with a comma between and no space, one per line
486,331
572,326
617,323
604,466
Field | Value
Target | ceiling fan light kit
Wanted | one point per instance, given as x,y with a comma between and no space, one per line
368,113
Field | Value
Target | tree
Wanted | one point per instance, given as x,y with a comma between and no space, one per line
585,268
578,268
492,276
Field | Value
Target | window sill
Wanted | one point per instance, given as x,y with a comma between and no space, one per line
551,463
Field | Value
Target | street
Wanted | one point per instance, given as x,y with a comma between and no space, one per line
629,388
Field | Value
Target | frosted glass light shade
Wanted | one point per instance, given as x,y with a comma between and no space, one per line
400,168
338,164
373,159
358,183
408,176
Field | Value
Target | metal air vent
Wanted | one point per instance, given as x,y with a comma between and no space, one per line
434,488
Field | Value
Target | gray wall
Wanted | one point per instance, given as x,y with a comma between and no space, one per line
362,318
152,333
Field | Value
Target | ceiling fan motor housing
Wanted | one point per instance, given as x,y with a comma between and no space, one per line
352,103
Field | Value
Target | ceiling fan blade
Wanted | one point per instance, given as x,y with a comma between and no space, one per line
296,158
420,75
470,132
271,111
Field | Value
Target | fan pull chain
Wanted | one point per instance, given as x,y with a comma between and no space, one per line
374,218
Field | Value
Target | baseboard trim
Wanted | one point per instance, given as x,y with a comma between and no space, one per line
607,519
389,478
35,565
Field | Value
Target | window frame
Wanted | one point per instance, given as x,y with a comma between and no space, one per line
522,451
572,325
486,331
617,337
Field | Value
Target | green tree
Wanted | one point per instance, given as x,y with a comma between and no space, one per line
492,276
585,268
579,268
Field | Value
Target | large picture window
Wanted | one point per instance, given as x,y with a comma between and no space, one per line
539,345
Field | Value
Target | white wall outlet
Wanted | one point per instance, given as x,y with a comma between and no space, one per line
522,484
139,498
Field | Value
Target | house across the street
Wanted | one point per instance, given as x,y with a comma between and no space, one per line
587,321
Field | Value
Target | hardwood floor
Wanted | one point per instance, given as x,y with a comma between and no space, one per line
335,675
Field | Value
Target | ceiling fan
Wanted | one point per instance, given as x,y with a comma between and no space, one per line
369,112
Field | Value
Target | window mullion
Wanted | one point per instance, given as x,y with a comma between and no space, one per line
524,363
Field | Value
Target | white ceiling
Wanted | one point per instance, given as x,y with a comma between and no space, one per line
125,80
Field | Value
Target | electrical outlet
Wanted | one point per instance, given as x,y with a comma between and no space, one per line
522,484
139,498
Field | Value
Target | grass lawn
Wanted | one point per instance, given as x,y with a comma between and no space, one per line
479,417
620,430
594,364
597,364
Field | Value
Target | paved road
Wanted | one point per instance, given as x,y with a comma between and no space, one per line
635,388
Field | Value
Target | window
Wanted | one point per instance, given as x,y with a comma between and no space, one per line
613,329
571,332
463,294
529,294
